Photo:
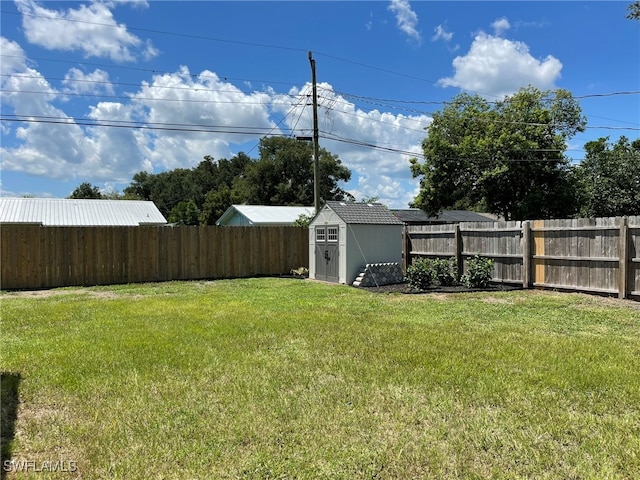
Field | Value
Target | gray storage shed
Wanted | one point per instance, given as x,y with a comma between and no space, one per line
344,237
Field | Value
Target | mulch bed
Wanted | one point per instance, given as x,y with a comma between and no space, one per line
406,289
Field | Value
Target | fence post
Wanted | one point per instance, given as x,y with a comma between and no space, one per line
623,253
457,249
526,254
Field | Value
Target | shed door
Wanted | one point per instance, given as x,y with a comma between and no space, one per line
327,248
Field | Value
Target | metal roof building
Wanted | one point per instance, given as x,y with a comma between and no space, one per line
415,216
262,215
78,212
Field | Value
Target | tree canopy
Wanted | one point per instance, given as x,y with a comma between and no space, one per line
504,157
609,178
86,190
282,175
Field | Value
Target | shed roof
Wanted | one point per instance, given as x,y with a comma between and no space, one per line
415,215
363,213
265,214
79,212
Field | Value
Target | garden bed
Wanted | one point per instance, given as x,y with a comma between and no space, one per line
406,289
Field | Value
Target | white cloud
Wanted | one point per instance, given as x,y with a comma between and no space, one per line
13,57
18,77
382,171
369,24
495,67
90,29
134,3
78,82
500,26
53,145
442,34
203,99
406,19
190,102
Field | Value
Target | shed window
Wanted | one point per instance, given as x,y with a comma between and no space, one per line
320,234
332,234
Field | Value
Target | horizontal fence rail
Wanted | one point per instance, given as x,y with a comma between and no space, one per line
42,257
600,255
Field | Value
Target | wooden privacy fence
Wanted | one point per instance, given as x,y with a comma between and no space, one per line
41,257
599,255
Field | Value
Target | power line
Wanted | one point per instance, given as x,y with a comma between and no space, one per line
151,99
108,82
275,126
263,45
238,130
432,102
149,70
371,100
161,32
368,99
509,122
244,102
177,127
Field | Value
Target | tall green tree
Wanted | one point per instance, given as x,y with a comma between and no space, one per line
169,188
283,175
185,213
216,203
633,11
506,158
86,190
610,178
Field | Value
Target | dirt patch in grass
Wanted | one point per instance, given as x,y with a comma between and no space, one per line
64,291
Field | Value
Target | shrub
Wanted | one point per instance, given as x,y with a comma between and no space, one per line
303,221
420,274
479,272
446,271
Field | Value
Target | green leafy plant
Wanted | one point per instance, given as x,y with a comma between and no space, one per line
303,221
479,272
420,274
446,271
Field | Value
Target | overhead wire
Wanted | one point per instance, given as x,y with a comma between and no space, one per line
245,102
148,70
262,45
161,32
179,127
388,101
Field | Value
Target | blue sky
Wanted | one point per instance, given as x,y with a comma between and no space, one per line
212,78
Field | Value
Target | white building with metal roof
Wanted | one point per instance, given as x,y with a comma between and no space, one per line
65,212
262,215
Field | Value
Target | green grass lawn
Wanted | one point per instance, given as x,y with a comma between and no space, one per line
280,378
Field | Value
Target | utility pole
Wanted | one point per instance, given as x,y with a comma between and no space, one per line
316,168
